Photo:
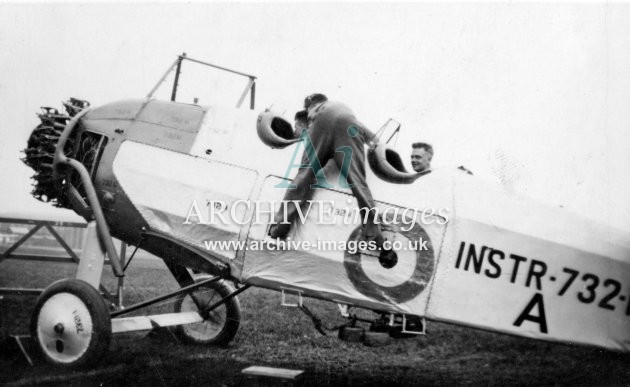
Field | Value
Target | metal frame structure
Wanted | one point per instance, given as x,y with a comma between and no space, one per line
177,65
72,257
97,231
39,224
98,242
116,261
95,206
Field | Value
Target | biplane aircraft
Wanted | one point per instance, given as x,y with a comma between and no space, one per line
194,184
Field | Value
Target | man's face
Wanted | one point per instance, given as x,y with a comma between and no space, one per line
420,159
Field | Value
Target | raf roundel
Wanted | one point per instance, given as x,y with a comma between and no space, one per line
401,275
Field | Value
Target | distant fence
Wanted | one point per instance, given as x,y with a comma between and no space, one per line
44,241
56,242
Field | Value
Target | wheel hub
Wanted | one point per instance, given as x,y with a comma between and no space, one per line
64,327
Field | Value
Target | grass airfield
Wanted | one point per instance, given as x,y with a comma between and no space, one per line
276,336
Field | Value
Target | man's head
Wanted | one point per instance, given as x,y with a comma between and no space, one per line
313,100
421,155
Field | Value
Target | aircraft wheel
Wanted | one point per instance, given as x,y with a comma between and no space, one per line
352,334
71,325
220,325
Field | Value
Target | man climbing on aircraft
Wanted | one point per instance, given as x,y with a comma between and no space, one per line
334,134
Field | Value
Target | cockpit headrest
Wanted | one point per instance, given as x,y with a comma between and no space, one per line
387,164
275,131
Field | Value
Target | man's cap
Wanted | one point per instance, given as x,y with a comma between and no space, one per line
313,99
301,115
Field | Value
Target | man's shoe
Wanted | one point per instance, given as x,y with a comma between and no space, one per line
388,258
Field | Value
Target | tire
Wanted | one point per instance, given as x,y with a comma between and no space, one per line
352,334
220,326
70,324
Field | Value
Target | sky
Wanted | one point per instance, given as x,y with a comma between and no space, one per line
534,97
